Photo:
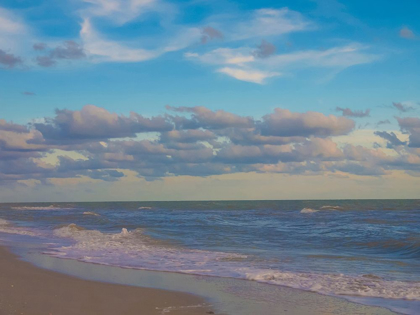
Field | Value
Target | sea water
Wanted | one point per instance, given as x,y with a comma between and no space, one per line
363,250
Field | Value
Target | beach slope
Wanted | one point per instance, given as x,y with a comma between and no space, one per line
26,289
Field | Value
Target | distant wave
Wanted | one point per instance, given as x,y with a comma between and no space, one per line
308,210
331,208
145,208
91,213
52,207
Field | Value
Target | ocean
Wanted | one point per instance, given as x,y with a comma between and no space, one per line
363,250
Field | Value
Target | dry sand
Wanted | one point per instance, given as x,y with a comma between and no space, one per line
26,289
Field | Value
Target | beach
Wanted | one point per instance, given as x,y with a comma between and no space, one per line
26,289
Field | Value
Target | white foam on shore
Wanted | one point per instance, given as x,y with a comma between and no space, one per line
134,249
339,284
51,207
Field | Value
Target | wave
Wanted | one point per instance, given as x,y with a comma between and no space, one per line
331,208
145,208
9,228
91,213
339,284
52,207
308,210
134,249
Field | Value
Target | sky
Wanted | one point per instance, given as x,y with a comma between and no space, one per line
108,100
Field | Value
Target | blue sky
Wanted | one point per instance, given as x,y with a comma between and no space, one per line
244,58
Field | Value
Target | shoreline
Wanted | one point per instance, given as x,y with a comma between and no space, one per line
28,289
163,289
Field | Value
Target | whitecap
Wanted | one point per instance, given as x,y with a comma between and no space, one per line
331,208
308,210
51,207
91,213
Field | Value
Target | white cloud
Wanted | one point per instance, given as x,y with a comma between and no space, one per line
101,49
249,75
119,11
344,56
252,69
13,31
270,22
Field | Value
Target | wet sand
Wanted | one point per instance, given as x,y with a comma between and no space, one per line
26,289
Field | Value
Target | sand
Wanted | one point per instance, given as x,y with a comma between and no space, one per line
26,289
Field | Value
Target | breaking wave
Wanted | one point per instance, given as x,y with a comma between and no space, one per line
308,210
331,208
91,213
134,249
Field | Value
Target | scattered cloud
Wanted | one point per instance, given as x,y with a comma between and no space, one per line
28,93
407,33
402,108
39,46
353,113
70,50
383,122
391,137
264,50
412,126
209,34
8,60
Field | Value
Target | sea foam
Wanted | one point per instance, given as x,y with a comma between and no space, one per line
134,249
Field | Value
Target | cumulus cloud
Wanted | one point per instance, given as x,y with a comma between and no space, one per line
93,122
206,118
197,141
353,113
285,123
